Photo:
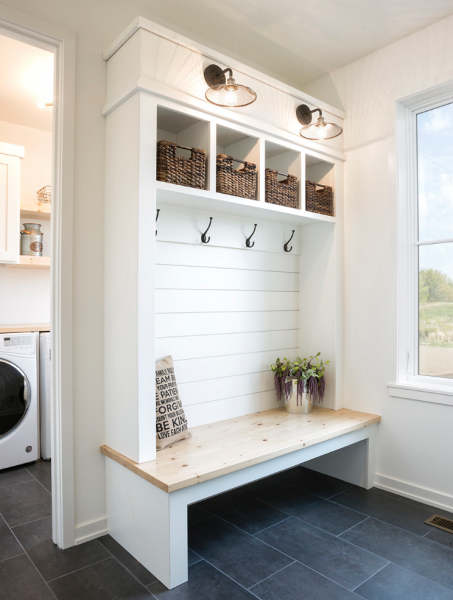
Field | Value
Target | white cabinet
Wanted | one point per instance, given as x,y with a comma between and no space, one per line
10,156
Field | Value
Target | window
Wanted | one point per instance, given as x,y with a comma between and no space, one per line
435,241
425,246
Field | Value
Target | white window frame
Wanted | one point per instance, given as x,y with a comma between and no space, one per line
409,383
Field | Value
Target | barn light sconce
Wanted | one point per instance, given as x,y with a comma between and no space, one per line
319,130
226,92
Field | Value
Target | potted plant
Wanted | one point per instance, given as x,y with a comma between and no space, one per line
300,382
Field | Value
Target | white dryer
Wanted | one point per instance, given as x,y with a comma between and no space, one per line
19,407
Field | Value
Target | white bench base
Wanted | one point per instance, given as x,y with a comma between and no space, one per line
152,524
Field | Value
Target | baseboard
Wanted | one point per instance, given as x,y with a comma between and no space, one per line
408,490
90,531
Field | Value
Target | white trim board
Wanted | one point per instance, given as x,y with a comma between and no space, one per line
155,28
414,492
90,531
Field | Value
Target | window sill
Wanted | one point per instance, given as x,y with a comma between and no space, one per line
436,394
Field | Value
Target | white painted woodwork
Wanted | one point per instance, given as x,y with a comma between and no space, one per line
9,202
152,523
225,312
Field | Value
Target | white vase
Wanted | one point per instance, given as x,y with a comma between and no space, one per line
303,406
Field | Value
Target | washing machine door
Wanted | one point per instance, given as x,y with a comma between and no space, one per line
14,396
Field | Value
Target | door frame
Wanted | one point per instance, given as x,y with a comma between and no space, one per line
62,43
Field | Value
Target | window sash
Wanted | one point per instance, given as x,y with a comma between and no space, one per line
407,110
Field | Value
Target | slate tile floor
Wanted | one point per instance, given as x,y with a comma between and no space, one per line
298,535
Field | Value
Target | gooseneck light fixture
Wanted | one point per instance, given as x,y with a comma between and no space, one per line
226,92
319,130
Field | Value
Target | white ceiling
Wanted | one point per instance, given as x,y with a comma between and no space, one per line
26,76
298,41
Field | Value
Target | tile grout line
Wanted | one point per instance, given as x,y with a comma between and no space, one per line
363,520
38,481
274,525
5,487
29,522
229,577
368,578
339,493
29,558
11,557
77,570
282,569
124,567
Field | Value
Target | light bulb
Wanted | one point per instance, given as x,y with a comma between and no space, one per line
41,104
321,132
231,98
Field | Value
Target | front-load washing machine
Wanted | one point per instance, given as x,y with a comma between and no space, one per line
19,407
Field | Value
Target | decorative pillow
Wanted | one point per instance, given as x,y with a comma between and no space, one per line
171,422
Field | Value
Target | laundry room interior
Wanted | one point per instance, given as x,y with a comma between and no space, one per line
26,122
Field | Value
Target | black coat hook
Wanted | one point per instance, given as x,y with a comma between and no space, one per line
157,216
203,235
247,241
285,247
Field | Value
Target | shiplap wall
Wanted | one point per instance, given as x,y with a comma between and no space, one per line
224,312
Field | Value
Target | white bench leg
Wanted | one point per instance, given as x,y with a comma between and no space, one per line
149,523
371,451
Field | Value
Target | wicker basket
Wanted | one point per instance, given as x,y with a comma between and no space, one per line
241,182
283,193
318,200
190,172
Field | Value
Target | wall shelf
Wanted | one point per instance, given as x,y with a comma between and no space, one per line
35,211
175,195
31,262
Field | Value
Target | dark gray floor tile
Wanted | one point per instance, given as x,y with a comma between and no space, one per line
106,580
235,553
386,508
196,513
9,546
297,582
50,560
406,549
441,537
314,510
338,560
317,483
13,476
261,487
245,512
127,560
205,583
24,502
193,558
19,580
395,583
42,472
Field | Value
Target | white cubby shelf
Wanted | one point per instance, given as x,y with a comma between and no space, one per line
195,130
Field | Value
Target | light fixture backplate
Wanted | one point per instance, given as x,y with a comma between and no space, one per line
214,75
304,114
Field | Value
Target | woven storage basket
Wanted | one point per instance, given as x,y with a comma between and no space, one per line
190,172
241,182
318,200
283,193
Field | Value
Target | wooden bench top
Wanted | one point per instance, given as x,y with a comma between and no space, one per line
226,446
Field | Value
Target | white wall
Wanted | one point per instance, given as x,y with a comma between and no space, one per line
25,293
415,441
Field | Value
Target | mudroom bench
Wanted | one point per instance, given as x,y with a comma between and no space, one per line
147,503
